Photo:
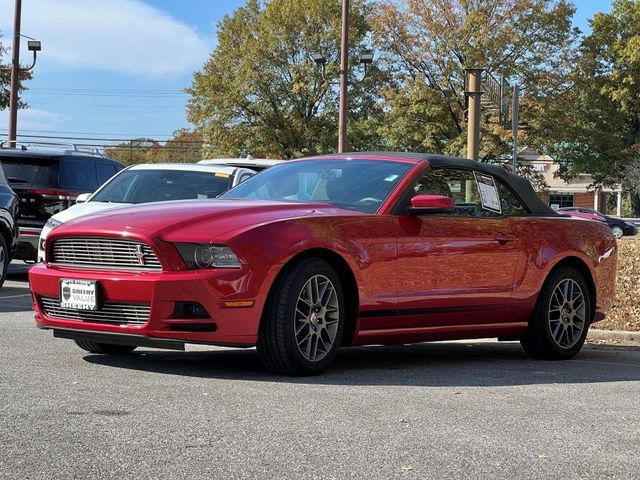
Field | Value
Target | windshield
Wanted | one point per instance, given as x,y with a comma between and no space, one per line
141,186
361,185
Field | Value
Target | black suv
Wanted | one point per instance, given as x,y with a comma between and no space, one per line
47,182
8,225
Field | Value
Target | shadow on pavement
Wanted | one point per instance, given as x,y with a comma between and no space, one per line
426,364
15,297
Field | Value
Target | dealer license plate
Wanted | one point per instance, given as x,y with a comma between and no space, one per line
78,294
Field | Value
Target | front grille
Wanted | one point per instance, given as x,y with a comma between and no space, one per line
104,252
113,313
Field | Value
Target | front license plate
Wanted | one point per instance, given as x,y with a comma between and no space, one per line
78,294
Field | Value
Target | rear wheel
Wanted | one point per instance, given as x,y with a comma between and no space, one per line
303,322
105,348
560,322
4,259
617,231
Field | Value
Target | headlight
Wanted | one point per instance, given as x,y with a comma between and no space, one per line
52,223
207,256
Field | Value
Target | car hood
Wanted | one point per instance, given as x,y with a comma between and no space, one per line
194,221
81,209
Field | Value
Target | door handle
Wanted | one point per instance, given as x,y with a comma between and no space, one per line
503,238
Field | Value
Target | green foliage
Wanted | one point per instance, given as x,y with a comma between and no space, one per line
428,44
260,92
5,79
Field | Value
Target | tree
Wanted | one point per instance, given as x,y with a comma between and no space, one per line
185,146
261,94
594,123
135,151
5,80
429,43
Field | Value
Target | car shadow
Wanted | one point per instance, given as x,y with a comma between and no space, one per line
15,299
427,364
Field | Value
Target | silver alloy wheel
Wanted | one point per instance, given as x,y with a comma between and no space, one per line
617,231
317,318
567,313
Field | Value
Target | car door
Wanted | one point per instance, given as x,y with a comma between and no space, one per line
456,268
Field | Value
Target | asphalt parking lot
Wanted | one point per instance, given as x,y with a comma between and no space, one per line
444,410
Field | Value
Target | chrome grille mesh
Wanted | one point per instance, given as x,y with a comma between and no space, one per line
114,313
104,252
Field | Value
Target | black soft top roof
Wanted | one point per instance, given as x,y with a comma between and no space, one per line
520,185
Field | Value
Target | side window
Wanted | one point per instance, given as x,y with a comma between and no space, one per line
78,174
105,172
511,205
473,195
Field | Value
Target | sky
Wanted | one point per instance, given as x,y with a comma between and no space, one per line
117,69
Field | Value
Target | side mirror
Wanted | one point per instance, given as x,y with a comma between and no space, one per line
426,204
83,197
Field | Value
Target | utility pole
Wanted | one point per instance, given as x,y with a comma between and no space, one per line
515,119
474,92
344,81
15,73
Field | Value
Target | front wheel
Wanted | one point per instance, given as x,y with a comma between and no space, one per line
560,321
303,321
4,259
105,348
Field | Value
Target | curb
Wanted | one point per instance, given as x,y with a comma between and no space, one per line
615,335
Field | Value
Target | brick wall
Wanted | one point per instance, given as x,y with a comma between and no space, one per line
583,200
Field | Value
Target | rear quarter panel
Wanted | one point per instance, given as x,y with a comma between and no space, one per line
546,241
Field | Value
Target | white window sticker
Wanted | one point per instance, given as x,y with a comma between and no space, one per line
488,192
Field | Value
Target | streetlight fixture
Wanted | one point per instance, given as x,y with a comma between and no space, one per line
319,58
366,59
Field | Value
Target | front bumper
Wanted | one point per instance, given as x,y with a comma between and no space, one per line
215,290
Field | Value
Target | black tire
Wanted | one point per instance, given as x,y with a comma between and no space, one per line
554,333
4,259
279,347
105,348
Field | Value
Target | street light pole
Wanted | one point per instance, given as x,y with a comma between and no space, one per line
344,81
15,73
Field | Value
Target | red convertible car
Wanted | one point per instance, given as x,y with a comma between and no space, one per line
314,254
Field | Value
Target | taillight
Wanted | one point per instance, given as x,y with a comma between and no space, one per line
54,194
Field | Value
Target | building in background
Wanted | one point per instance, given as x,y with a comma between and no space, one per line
577,192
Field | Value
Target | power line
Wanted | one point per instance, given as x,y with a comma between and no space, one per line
108,90
154,107
121,140
107,93
146,135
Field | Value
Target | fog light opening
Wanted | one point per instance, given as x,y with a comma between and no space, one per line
189,310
